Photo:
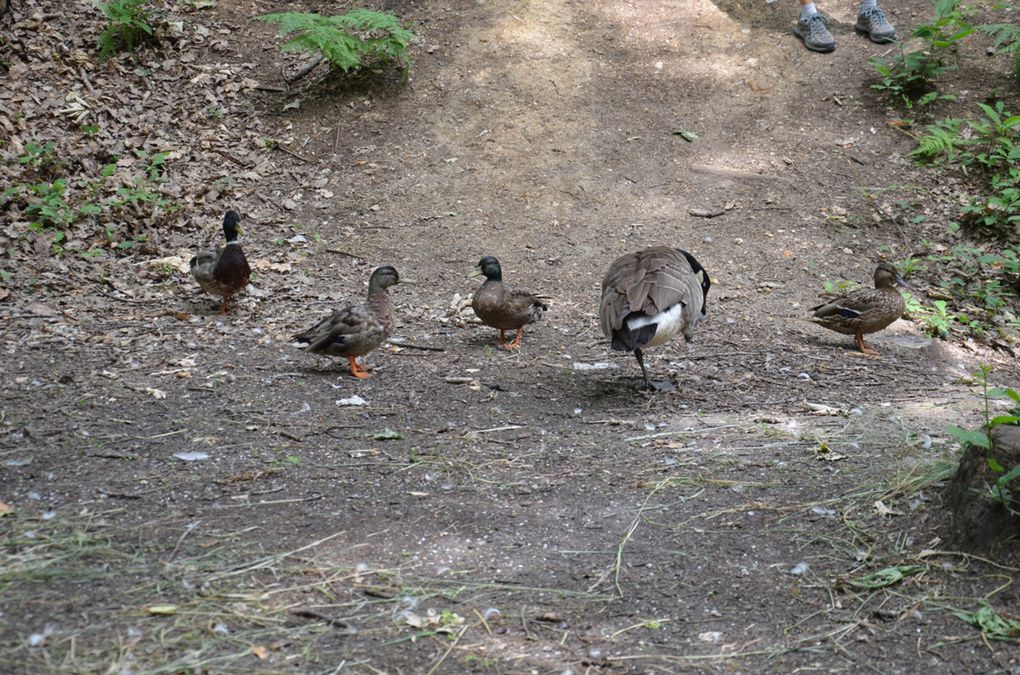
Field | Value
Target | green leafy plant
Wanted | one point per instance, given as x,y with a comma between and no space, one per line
838,287
349,41
41,161
990,622
129,26
140,192
53,206
908,77
1006,38
936,319
1006,490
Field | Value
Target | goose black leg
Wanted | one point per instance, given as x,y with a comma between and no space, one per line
649,384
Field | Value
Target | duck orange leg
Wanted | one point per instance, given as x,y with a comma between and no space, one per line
516,344
502,339
859,337
357,371
223,306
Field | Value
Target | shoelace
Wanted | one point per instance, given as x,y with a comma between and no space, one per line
817,24
876,15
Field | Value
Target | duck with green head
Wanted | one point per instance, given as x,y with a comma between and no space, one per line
223,271
502,307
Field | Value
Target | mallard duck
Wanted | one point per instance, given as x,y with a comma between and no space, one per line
502,307
649,297
223,271
355,331
866,310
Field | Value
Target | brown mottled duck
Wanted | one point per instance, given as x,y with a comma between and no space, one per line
357,330
866,310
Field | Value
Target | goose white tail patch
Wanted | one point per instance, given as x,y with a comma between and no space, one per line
668,324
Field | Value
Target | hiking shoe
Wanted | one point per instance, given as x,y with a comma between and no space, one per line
873,22
814,31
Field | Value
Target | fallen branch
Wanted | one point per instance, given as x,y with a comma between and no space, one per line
305,69
319,616
293,154
424,348
342,252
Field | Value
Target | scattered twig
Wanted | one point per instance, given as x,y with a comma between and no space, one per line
481,620
188,529
285,149
663,434
706,213
508,427
630,532
269,560
232,157
524,625
305,69
339,251
449,649
732,173
636,625
424,348
85,79
306,613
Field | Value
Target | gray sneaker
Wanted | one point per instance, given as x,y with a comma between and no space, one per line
814,31
873,22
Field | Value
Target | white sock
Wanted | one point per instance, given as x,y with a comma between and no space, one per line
868,4
807,10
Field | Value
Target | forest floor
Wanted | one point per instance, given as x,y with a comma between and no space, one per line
181,491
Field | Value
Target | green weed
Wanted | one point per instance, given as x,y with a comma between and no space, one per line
129,26
1006,490
909,77
349,41
52,206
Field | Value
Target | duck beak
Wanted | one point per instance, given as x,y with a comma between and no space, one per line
475,273
404,280
240,230
901,282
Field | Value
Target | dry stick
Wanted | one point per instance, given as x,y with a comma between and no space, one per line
305,69
481,619
265,562
630,531
342,252
424,348
293,154
312,614
524,624
448,650
188,529
663,434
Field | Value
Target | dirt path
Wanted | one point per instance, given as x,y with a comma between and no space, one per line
508,513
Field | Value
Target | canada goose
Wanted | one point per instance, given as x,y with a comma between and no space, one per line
650,296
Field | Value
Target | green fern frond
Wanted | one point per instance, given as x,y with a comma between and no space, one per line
347,41
942,141
1004,34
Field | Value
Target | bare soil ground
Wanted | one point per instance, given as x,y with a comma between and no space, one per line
483,511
